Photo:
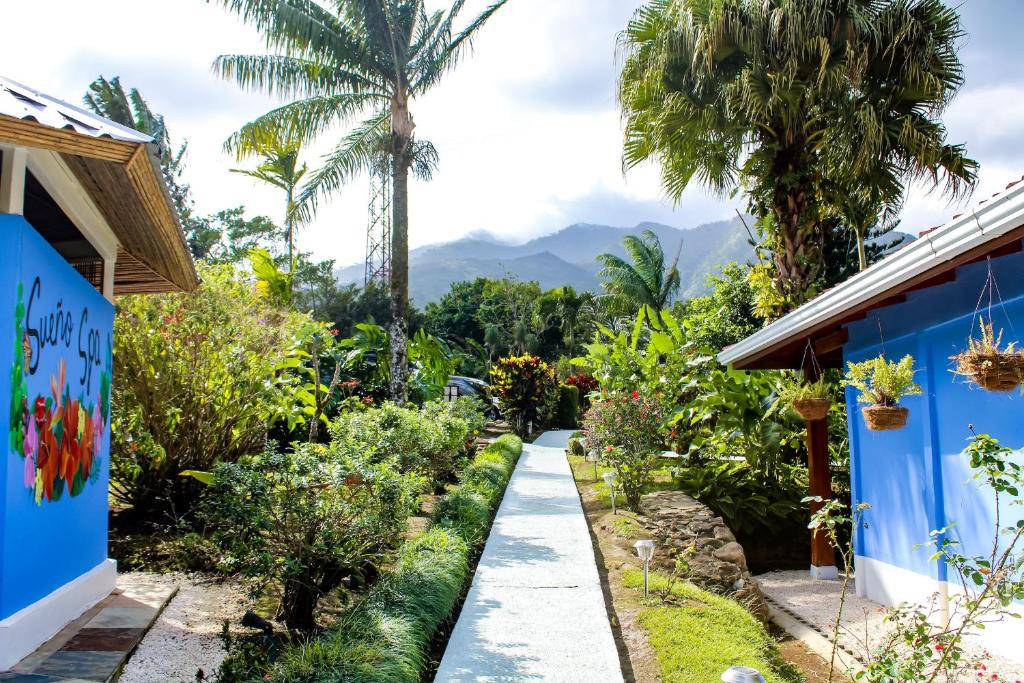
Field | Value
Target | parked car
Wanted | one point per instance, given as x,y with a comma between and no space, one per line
471,386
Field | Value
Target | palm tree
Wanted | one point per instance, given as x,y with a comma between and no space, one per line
364,58
279,166
109,99
644,282
793,100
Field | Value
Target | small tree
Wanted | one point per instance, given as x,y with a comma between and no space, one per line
627,430
309,520
527,390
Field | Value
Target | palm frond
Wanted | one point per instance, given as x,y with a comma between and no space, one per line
301,120
362,150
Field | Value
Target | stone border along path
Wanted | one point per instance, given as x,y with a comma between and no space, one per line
535,609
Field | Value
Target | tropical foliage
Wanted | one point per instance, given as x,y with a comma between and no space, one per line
883,382
385,636
527,391
645,282
197,382
815,109
359,59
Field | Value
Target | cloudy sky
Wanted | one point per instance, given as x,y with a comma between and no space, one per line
527,127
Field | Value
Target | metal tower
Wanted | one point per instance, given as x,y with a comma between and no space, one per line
378,226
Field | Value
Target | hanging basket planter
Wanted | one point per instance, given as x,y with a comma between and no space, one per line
885,418
992,371
812,408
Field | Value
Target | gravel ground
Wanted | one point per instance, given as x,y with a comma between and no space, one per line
186,637
863,627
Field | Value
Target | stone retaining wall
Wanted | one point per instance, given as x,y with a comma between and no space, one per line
683,527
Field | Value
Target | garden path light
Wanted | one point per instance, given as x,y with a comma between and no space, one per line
645,551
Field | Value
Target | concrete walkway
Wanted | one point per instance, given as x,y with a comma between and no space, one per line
535,610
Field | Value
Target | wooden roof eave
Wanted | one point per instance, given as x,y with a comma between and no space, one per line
124,181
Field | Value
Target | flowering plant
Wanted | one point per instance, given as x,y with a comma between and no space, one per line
527,390
627,429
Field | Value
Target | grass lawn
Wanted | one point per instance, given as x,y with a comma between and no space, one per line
697,635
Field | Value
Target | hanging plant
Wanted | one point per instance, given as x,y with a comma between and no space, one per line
882,384
810,400
988,363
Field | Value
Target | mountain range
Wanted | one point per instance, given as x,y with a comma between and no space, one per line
567,257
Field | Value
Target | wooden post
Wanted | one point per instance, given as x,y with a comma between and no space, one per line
819,475
12,181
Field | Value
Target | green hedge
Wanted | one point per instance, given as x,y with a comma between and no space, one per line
568,406
385,638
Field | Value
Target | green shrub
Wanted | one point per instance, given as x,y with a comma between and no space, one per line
309,520
385,637
751,503
467,513
433,441
196,383
568,406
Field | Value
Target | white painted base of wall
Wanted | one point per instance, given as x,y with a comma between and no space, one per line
891,585
830,573
28,628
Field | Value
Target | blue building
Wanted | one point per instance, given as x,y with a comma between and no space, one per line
924,300
84,216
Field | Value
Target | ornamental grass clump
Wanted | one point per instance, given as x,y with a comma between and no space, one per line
988,363
882,383
627,430
386,637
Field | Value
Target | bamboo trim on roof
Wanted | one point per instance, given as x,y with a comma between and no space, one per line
126,186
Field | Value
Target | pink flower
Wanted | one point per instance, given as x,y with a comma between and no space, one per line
31,442
30,471
97,427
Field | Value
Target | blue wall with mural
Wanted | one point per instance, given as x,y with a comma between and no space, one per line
917,478
55,361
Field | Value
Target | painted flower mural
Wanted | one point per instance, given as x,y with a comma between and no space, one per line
59,437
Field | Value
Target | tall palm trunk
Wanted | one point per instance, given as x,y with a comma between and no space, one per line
289,223
402,127
399,328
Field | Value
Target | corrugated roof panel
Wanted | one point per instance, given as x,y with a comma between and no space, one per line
21,102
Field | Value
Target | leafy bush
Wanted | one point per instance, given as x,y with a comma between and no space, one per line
628,431
883,382
432,441
195,383
568,406
527,391
309,520
749,503
386,637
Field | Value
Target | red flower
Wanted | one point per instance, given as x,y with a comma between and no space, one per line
636,394
940,647
334,331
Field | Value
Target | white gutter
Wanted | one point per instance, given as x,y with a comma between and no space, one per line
991,219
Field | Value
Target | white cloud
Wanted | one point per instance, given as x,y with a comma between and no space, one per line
527,127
